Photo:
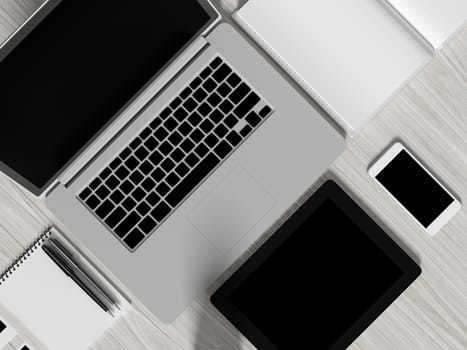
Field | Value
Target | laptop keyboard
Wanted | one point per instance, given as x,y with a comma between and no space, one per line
172,155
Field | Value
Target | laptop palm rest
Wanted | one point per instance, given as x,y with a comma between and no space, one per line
231,210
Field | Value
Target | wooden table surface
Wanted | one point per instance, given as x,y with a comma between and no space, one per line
429,116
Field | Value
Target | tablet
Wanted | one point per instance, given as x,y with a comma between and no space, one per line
320,280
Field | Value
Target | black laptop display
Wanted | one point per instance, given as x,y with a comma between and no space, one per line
329,265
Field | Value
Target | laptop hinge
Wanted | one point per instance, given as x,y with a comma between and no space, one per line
131,111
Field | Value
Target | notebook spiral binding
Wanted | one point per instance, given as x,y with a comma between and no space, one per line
24,256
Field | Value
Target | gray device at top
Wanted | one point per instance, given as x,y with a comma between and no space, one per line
227,212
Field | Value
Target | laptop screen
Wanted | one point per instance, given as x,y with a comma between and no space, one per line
76,70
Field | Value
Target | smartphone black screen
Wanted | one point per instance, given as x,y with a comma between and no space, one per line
414,188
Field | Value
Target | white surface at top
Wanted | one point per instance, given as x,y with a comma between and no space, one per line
435,20
350,56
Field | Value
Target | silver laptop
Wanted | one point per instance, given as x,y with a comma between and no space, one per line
158,136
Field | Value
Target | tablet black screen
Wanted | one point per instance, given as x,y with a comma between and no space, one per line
328,271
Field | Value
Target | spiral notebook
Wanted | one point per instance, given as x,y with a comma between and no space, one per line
49,304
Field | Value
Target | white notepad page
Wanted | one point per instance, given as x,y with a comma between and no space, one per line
351,57
436,20
51,306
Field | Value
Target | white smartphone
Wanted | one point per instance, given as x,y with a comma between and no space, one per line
409,182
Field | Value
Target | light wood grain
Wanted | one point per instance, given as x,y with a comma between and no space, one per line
430,117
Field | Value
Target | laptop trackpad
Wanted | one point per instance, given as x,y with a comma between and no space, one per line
231,210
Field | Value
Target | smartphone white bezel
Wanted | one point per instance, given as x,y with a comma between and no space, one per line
385,159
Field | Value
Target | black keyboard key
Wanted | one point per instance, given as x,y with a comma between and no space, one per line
170,124
135,143
125,153
131,162
177,155
247,104
185,93
192,159
156,157
265,111
117,215
148,184
167,165
246,130
92,202
165,113
206,126
166,148
161,133
85,194
112,182
190,104
253,119
231,121
134,238
195,83
195,119
145,133
153,198
156,123
187,145
115,163
233,80
222,149
141,153
162,189
129,204
192,180
205,73
221,73
221,130
216,116
127,224
117,196
102,192
122,172
158,174
105,209
147,225
201,150
95,183
211,140
215,63
204,109
197,136
172,179
209,85
185,128
151,143
224,89
138,194
180,114
175,103
234,138
200,95
105,173
146,167
214,99
126,187
175,138
226,106
160,212
239,93
182,170
143,208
